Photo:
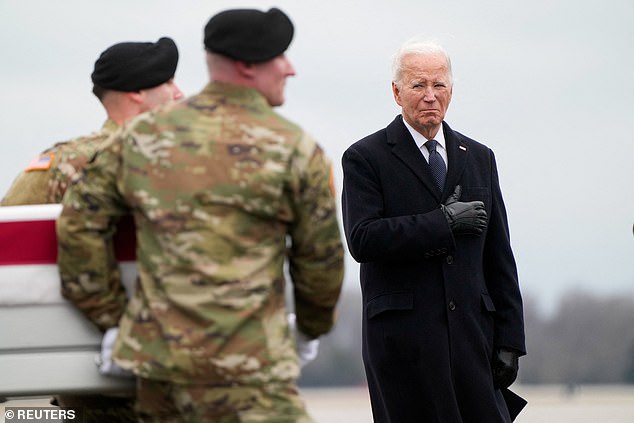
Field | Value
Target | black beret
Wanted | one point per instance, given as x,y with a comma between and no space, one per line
136,66
249,35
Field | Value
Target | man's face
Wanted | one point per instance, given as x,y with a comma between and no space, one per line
270,78
424,91
161,94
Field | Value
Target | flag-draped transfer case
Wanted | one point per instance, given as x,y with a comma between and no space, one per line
46,345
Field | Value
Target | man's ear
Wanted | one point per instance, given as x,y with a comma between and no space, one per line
135,97
246,70
397,93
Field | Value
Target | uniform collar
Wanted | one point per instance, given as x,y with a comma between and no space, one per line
236,94
109,126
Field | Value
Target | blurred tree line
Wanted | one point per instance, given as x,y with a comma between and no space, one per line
587,339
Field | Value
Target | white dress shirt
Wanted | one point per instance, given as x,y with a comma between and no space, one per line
420,141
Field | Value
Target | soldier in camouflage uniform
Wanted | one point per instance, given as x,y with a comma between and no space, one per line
223,191
46,178
129,78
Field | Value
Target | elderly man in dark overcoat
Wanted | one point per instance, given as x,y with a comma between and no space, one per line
423,213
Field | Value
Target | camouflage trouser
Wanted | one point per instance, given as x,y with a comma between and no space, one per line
166,402
100,408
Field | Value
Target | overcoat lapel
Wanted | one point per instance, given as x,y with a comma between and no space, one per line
457,153
404,147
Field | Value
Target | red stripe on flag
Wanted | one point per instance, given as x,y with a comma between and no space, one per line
35,242
28,242
125,239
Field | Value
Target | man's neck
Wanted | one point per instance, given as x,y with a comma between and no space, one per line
428,132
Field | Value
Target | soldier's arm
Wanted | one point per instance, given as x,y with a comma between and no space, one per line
89,272
316,253
31,186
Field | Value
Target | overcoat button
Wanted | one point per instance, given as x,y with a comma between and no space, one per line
449,259
452,306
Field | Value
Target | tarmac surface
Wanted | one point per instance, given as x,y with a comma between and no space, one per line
561,404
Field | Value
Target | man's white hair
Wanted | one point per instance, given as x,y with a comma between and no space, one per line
417,46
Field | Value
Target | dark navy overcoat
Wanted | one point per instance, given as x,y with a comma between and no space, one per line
435,305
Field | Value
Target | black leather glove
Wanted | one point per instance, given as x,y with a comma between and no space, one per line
504,367
464,218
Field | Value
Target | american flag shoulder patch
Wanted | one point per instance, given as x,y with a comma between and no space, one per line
41,162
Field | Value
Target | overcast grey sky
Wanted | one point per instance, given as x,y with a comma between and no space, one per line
548,85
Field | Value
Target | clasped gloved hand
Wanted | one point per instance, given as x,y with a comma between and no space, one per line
464,218
504,367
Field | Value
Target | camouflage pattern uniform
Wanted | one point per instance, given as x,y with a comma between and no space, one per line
46,181
222,190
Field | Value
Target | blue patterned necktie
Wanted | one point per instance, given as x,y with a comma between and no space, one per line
436,164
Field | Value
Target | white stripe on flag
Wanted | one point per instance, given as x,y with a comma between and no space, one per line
40,283
35,283
30,284
36,212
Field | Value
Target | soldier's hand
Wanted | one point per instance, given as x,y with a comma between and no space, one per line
464,218
504,367
306,348
105,364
